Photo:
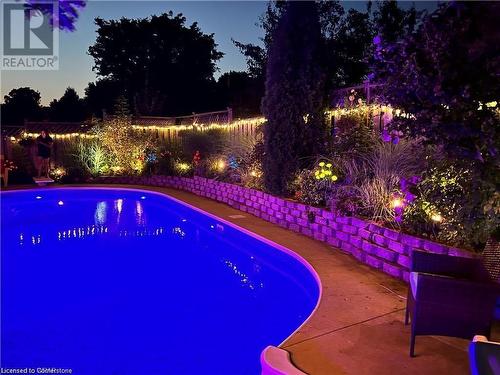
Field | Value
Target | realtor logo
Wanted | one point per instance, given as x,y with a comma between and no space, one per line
30,41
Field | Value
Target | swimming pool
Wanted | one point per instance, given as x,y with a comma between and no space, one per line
123,281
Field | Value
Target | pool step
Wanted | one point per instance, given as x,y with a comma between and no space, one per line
276,361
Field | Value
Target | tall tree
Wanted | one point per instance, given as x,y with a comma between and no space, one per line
442,73
69,108
256,55
348,43
101,96
21,104
165,66
241,92
392,22
293,103
347,39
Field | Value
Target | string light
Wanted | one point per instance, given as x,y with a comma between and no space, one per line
254,121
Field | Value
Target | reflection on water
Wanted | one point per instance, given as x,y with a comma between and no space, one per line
179,232
100,213
81,233
140,217
118,204
245,279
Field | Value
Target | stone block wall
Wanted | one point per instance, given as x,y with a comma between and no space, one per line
384,249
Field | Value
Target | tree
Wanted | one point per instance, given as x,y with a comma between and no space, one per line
256,55
165,66
391,23
101,96
346,45
294,99
445,75
348,41
241,92
68,108
21,104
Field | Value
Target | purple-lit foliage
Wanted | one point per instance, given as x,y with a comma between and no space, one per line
445,74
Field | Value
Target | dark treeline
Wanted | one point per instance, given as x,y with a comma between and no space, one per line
165,67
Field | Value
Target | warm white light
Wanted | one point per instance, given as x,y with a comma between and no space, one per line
437,218
397,202
221,165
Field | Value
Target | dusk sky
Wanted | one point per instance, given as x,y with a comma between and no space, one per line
225,19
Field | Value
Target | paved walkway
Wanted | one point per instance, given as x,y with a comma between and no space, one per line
358,328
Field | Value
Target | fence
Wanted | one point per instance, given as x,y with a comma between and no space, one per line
167,130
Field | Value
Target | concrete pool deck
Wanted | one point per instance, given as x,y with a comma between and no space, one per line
358,327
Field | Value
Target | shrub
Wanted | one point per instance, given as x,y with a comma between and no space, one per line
182,168
57,174
167,157
371,181
354,132
252,177
313,187
126,147
93,157
208,142
446,208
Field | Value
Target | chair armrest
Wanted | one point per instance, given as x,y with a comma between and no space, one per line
484,357
484,340
440,264
468,294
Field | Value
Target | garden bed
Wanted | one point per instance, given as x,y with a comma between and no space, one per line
381,248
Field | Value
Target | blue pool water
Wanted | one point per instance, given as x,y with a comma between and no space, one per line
127,282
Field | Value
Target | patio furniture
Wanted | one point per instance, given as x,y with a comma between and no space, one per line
449,296
484,356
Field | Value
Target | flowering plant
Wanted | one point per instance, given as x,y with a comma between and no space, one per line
324,172
196,158
314,186
9,165
57,173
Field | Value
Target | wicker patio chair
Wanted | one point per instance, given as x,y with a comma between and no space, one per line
449,296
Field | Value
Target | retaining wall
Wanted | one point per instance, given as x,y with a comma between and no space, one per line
384,249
